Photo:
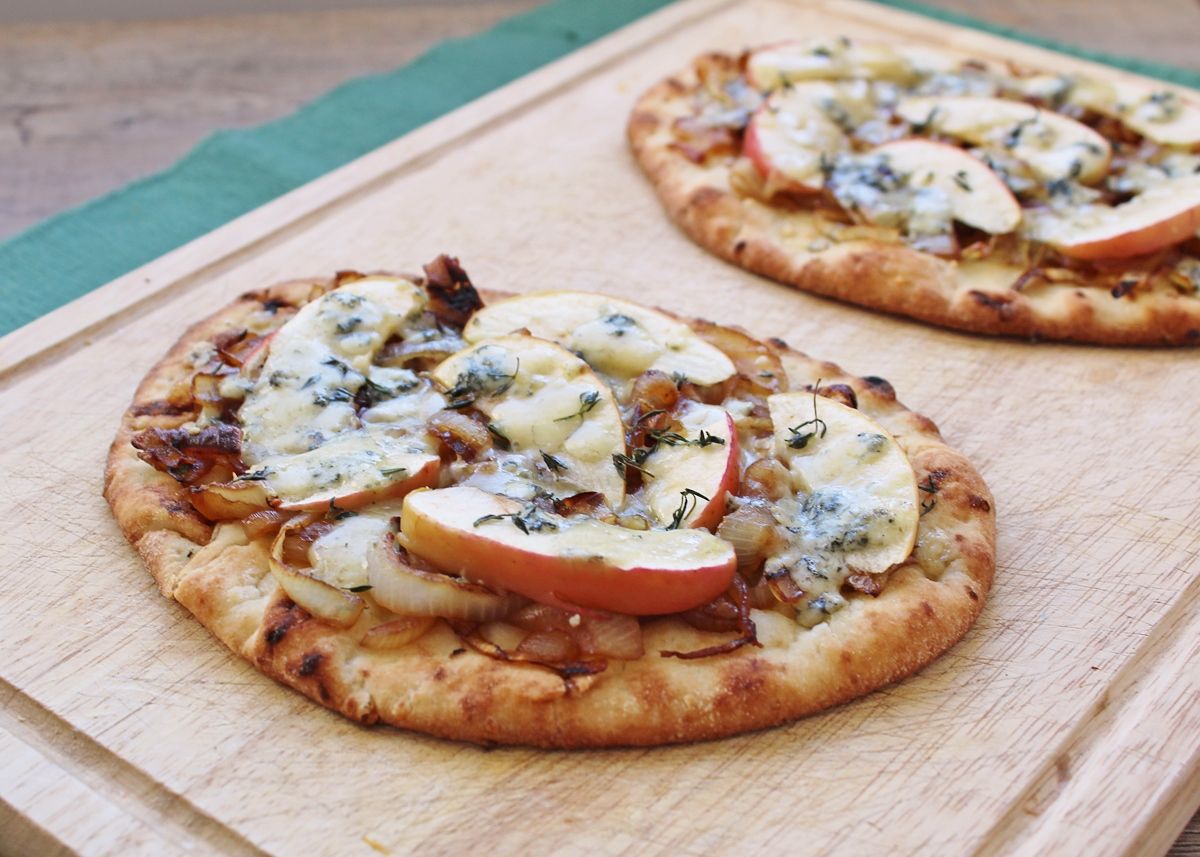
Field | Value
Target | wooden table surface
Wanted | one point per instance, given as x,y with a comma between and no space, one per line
88,107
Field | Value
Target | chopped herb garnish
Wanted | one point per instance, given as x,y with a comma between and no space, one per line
365,587
688,501
528,520
501,438
587,400
336,364
621,462
1013,137
650,414
800,437
338,513
923,126
931,486
555,465
337,394
348,325
392,471
960,179
680,379
371,394
671,438
480,377
256,476
312,379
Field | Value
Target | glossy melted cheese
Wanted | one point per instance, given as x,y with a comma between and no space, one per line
855,507
305,392
617,338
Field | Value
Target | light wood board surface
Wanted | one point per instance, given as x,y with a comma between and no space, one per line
1066,722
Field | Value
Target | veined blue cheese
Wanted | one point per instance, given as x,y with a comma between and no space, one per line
305,392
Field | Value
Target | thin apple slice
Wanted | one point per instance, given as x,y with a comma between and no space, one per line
542,399
348,472
694,470
568,562
792,137
616,337
317,362
978,197
1165,214
772,67
1055,146
858,502
1160,115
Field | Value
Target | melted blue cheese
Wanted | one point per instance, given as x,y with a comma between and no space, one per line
542,399
855,504
339,557
305,392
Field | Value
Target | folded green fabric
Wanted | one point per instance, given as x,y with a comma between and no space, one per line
233,172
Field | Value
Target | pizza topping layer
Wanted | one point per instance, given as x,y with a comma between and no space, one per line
538,473
1066,178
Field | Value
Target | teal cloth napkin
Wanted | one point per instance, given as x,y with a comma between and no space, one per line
232,172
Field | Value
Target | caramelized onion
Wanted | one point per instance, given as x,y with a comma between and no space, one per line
465,437
264,524
401,588
551,647
229,501
610,635
766,478
397,633
756,362
333,605
751,531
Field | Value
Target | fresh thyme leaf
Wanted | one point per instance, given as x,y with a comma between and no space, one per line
336,364
621,462
800,437
587,400
501,438
528,520
371,394
680,379
256,476
348,325
927,505
480,378
337,394
672,438
649,414
555,465
688,500
363,588
923,126
338,513
392,471
960,179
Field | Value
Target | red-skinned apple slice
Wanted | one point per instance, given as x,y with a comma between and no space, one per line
703,460
1055,146
860,492
1163,215
978,196
790,138
543,399
616,337
349,472
578,561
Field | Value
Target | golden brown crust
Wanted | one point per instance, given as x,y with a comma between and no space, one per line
775,242
438,686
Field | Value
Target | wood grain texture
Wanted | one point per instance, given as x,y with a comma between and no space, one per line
1064,723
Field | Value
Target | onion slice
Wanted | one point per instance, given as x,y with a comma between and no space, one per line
397,633
229,501
413,592
328,603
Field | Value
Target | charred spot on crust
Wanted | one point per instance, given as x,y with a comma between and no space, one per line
881,386
739,248
1002,304
457,652
310,663
280,627
977,502
842,393
343,277
972,594
777,342
439,674
1192,335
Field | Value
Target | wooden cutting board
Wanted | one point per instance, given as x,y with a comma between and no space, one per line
1067,722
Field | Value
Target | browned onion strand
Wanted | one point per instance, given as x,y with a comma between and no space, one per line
471,636
739,594
397,633
403,589
751,530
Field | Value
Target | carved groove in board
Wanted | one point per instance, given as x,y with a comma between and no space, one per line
145,800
